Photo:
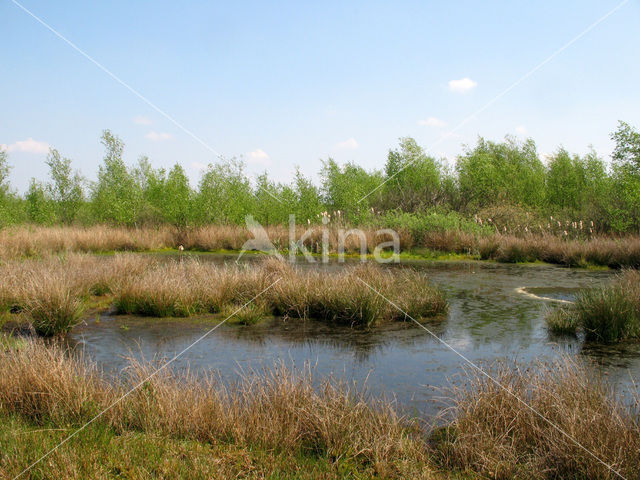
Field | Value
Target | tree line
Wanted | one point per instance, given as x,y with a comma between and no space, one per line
490,178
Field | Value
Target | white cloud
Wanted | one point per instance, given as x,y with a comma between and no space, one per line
158,136
349,144
259,156
464,85
28,146
432,122
142,120
521,129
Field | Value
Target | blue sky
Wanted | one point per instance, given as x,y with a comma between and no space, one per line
290,83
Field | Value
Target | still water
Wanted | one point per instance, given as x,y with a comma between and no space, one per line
496,312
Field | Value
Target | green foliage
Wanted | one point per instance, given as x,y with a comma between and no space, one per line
225,195
625,211
40,207
116,195
308,202
66,187
4,174
627,151
11,207
578,186
414,178
507,172
344,188
501,183
418,224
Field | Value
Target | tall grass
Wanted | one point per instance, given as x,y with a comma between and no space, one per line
606,314
497,436
275,409
448,235
52,292
488,433
189,287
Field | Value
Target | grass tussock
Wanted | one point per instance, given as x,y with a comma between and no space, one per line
561,321
607,314
496,436
277,409
190,287
53,293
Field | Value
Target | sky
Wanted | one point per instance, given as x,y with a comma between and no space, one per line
286,84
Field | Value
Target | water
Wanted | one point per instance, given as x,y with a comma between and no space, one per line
496,312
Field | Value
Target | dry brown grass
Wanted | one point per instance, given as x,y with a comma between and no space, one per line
491,434
275,409
191,286
26,241
29,241
499,437
52,291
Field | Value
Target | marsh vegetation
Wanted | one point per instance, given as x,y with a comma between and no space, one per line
53,293
280,420
606,314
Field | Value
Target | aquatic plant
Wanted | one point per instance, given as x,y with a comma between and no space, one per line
605,314
246,314
562,321
611,313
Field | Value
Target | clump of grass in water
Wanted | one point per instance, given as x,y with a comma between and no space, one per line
606,314
609,314
245,315
53,306
562,321
195,287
